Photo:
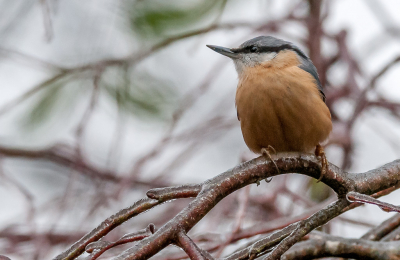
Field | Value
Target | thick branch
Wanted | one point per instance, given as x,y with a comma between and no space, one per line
307,225
383,229
267,227
290,234
323,245
393,235
254,171
215,189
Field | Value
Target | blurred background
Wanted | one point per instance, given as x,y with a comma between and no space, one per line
101,100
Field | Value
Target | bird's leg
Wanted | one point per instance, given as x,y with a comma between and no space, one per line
267,152
319,152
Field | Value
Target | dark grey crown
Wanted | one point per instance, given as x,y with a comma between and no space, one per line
267,44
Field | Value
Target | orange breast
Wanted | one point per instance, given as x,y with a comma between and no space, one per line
281,107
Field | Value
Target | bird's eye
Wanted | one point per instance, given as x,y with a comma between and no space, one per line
253,49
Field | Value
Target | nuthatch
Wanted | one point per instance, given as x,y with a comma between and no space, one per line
279,99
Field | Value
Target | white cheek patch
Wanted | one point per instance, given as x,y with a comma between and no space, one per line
252,60
267,56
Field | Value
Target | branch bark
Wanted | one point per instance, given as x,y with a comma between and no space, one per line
323,245
383,229
115,220
254,171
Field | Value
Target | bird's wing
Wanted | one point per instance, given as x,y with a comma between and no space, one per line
308,66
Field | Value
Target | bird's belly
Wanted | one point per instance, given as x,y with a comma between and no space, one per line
286,117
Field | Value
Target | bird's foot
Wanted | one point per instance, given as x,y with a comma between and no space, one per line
267,152
319,152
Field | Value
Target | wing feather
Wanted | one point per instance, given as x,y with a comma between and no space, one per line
308,66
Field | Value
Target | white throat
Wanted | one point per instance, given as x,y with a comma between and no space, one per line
252,59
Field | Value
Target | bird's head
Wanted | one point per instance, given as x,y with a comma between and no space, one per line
257,51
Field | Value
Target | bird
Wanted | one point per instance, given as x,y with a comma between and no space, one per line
279,99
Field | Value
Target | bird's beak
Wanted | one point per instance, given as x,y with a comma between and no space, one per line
224,51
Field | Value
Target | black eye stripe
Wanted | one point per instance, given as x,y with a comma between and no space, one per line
259,49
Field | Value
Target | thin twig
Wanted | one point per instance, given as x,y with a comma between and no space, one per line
357,197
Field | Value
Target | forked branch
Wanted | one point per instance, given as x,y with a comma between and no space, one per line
209,193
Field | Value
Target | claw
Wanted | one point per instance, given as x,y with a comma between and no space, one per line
319,152
271,149
266,151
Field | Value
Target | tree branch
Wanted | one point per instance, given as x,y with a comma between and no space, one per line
191,249
357,197
96,249
306,226
65,156
112,222
323,245
393,235
254,171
